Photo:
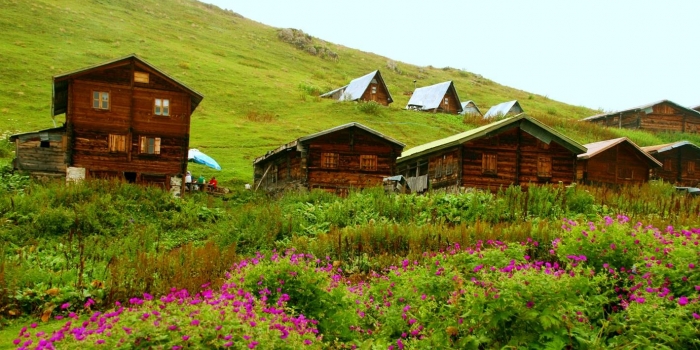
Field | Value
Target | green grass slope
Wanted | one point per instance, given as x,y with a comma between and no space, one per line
256,86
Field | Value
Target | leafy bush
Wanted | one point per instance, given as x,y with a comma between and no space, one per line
369,107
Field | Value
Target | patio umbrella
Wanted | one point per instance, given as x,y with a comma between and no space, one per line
194,155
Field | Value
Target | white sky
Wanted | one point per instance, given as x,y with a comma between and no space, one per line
609,54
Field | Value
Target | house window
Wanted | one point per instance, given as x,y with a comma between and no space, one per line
438,168
449,165
150,145
691,167
117,143
668,164
100,100
329,160
272,175
447,101
625,173
488,163
374,89
162,107
368,162
45,144
544,166
141,77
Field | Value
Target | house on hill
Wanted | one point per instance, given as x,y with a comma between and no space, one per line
618,162
470,108
440,97
370,87
125,119
514,151
680,161
335,160
662,116
504,109
696,108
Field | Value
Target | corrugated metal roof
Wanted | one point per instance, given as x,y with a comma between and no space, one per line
303,139
488,130
60,83
504,108
595,148
465,105
639,108
668,146
430,97
358,86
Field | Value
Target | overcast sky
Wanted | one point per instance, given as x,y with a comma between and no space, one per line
599,54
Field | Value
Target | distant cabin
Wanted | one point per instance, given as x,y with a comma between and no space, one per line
440,97
514,151
504,109
680,162
662,116
335,160
125,119
470,108
696,108
618,162
370,87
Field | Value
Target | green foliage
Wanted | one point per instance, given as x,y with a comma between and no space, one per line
369,107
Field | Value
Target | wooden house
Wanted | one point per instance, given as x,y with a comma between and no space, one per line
662,116
41,153
514,151
440,97
470,108
370,87
124,119
347,156
618,162
680,162
504,109
696,108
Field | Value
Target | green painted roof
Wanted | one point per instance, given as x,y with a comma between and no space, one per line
525,122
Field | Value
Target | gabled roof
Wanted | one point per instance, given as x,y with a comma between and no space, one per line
502,109
60,82
525,122
358,86
30,133
646,108
304,139
668,147
596,148
465,104
430,97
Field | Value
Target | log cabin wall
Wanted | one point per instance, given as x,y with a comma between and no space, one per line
663,117
619,165
444,169
41,153
349,158
449,102
127,135
280,172
681,166
376,92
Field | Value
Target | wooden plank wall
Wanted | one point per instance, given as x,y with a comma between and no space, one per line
612,167
33,158
664,117
678,173
289,172
381,97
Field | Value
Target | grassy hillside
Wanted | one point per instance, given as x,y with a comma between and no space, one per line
259,90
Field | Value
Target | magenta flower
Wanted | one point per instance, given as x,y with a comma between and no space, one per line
691,266
185,337
682,301
530,304
696,316
252,345
194,322
65,306
307,342
100,341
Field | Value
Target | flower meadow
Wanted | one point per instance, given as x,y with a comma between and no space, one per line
606,283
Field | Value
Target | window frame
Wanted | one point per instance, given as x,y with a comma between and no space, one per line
542,173
448,163
691,167
488,159
368,162
144,145
163,104
100,100
329,160
625,173
438,168
113,146
667,164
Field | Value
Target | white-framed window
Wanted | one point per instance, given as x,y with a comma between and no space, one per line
100,99
149,145
161,107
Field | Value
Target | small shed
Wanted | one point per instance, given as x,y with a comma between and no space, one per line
347,156
504,109
661,116
440,97
41,153
618,162
518,150
470,108
679,162
370,87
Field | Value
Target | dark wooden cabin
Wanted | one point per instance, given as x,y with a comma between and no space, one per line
662,116
440,97
515,151
347,156
616,162
370,87
124,119
680,162
41,153
504,109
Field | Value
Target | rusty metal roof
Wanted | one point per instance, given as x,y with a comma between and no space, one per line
504,108
358,86
640,108
60,83
528,124
430,97
596,148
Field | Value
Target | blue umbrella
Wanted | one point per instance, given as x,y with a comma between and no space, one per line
194,155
